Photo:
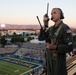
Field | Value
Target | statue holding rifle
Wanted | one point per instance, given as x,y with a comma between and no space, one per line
59,41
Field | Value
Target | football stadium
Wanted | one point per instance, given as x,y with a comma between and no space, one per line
11,66
21,61
35,39
29,59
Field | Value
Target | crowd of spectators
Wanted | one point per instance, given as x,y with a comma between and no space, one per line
8,50
32,50
36,50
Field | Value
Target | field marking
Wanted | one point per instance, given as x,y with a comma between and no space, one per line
26,72
7,68
29,63
12,70
6,72
16,71
29,70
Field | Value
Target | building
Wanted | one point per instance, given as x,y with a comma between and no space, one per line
10,29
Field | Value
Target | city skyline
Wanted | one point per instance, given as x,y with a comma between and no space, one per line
24,12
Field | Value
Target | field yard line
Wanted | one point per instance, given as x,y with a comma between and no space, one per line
29,70
26,72
6,68
6,72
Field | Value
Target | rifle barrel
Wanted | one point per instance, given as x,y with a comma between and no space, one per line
47,7
39,21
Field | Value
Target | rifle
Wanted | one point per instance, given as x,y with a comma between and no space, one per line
46,15
39,21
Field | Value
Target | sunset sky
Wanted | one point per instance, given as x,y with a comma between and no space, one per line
25,11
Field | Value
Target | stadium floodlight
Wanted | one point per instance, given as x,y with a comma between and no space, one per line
2,25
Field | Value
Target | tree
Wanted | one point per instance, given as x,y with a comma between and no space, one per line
3,41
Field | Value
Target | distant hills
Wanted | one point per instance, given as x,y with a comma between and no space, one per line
11,26
23,27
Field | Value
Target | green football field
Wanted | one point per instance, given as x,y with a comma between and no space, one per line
7,68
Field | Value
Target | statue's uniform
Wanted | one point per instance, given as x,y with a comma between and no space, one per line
56,59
